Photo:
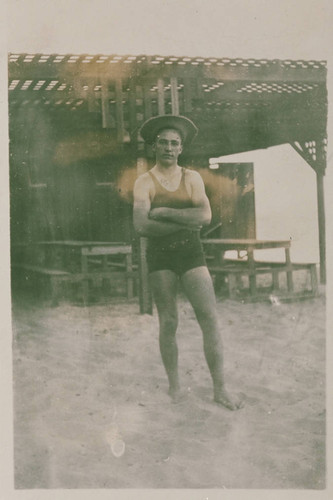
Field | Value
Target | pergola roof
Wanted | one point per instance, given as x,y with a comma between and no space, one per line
238,104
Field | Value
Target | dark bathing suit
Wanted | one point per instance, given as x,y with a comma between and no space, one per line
180,251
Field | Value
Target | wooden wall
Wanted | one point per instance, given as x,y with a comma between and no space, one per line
65,176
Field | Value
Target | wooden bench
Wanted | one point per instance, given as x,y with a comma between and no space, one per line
57,277
232,270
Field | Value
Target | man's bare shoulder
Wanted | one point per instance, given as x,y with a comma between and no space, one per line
193,177
192,174
144,180
143,187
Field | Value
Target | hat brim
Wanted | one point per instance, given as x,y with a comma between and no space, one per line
153,126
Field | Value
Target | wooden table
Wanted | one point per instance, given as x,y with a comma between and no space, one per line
250,266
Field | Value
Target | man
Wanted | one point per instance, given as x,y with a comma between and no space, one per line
170,207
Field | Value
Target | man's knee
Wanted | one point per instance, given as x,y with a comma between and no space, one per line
206,314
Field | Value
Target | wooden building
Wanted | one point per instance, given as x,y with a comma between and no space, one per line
75,149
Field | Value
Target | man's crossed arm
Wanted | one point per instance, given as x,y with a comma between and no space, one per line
162,221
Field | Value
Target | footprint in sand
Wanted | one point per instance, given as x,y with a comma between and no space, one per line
115,441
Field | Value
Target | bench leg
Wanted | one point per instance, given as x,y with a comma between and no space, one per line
232,286
253,285
314,279
85,291
290,283
55,290
219,281
275,276
106,286
129,268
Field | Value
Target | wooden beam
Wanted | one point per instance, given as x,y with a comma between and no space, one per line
304,154
322,226
272,71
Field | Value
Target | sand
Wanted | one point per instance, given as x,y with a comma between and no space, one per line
92,411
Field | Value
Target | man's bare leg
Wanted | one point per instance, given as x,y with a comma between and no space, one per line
164,285
198,286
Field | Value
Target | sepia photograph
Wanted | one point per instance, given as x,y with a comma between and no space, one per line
167,252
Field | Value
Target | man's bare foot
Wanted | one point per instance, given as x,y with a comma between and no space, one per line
222,398
177,396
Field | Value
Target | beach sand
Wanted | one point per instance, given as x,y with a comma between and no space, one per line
91,408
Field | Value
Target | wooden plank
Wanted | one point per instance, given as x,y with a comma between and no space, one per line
40,269
245,244
106,250
245,270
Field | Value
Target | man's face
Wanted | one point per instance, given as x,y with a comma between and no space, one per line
167,147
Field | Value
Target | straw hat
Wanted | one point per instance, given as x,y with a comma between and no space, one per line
183,125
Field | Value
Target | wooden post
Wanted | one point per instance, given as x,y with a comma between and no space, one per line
275,278
319,166
321,225
187,95
119,111
147,101
160,96
129,269
252,275
105,104
174,96
145,297
132,113
314,281
92,105
85,280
